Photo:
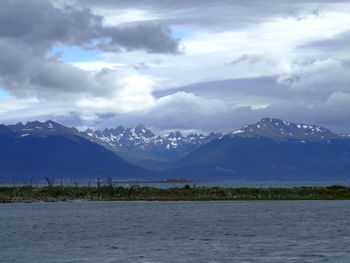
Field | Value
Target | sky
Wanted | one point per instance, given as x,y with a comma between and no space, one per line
175,65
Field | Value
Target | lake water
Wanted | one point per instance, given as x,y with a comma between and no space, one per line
230,231
165,185
242,183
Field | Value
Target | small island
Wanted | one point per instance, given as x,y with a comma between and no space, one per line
110,192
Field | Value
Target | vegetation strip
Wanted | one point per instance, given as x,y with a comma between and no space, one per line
109,192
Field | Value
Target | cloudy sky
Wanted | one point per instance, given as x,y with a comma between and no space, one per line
186,64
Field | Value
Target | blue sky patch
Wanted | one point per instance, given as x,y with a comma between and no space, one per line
4,94
70,54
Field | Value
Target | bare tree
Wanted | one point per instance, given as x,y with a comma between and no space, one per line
89,190
98,181
109,182
50,181
30,187
109,190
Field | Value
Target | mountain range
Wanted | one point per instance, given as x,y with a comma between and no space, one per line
142,147
39,150
270,149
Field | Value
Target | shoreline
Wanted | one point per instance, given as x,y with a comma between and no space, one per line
29,194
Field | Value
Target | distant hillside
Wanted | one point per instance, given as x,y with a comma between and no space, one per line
271,149
283,130
37,150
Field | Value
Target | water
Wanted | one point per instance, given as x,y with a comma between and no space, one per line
242,183
247,231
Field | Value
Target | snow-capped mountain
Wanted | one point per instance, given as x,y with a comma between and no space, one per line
270,149
139,137
280,129
139,143
36,150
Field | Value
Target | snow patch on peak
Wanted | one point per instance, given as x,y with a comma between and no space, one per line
237,132
140,138
280,129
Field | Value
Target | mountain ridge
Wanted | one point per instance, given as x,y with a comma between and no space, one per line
277,150
36,150
271,149
142,147
281,129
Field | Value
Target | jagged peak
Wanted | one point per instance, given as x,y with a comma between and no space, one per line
141,130
138,127
192,135
19,124
106,132
90,132
120,127
117,131
176,134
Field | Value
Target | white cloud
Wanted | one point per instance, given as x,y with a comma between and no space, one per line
14,110
209,42
10,104
222,40
96,66
319,77
115,17
339,99
129,92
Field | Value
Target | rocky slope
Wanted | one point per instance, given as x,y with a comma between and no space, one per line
271,149
36,150
142,147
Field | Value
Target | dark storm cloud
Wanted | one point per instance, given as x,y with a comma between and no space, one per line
153,38
29,29
27,71
36,22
